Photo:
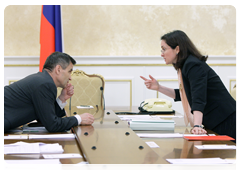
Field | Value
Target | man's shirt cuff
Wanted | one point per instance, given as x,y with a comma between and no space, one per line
79,119
61,104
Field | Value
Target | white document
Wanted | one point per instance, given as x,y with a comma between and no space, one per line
170,116
55,136
152,144
85,107
231,161
165,135
194,135
61,156
16,137
80,164
199,161
22,148
210,147
32,148
147,117
51,148
160,135
133,117
39,164
153,120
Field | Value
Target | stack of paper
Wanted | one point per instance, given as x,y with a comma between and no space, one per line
151,124
32,148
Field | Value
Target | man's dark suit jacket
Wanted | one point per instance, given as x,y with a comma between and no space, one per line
206,92
34,98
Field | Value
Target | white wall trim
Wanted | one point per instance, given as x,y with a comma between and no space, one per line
212,59
127,69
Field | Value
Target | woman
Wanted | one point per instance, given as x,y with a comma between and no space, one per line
205,99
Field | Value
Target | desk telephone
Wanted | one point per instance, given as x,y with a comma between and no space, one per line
156,105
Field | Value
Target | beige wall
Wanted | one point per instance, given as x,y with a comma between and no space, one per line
122,30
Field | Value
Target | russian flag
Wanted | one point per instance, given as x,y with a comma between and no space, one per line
50,32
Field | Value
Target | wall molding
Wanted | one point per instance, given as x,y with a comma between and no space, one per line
33,61
124,72
123,80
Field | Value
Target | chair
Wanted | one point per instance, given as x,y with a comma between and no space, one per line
88,90
233,92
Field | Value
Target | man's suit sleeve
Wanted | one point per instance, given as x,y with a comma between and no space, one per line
44,101
59,112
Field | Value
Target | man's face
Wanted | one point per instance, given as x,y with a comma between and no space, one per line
65,75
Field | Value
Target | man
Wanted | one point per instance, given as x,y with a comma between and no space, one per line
34,97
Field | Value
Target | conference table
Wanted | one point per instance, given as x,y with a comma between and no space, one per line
110,140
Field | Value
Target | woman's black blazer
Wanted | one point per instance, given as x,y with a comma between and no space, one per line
206,92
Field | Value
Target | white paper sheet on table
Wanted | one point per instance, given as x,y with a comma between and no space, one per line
32,148
211,147
160,135
231,161
199,161
165,135
145,117
55,136
131,117
194,135
33,161
51,148
61,156
22,148
152,144
16,137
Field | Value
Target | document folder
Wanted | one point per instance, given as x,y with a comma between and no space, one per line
220,137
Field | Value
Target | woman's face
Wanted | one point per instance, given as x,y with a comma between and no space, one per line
169,54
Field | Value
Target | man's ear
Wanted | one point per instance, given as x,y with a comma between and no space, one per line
57,69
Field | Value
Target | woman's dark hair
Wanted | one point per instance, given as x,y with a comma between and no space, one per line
58,58
186,47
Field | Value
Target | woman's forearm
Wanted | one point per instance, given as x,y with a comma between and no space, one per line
197,117
167,91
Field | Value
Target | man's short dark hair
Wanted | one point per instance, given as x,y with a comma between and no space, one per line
58,58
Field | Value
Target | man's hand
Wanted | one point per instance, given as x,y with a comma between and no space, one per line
87,119
66,93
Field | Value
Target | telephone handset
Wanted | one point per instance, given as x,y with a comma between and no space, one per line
156,105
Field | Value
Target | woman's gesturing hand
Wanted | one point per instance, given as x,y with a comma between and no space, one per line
151,83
